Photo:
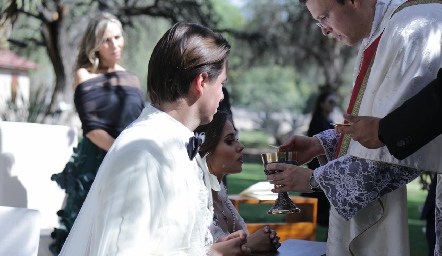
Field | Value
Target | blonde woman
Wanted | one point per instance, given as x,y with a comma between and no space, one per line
107,98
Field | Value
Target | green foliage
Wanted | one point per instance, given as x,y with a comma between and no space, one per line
254,139
140,39
230,16
275,95
270,88
291,38
142,36
232,19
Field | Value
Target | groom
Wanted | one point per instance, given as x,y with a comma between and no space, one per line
149,197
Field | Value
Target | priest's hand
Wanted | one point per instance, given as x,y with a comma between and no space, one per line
307,147
364,129
292,178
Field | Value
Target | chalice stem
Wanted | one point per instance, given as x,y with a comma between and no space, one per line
283,205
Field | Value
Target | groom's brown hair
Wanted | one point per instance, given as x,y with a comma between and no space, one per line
185,51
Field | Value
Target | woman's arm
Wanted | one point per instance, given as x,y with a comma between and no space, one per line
98,136
101,138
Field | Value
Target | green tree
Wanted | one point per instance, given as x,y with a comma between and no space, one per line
275,93
57,26
291,38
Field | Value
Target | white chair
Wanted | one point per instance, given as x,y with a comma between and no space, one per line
27,161
19,231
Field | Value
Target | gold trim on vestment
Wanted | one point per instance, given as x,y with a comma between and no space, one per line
356,237
347,137
415,2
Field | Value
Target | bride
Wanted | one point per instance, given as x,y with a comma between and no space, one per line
222,152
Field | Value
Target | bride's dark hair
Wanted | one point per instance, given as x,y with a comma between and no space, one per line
213,132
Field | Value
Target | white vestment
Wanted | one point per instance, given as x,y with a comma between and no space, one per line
408,58
148,198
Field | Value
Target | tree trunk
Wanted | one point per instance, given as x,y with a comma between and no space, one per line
59,51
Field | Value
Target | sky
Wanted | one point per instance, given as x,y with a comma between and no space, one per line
238,3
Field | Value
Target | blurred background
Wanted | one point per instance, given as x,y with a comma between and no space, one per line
279,63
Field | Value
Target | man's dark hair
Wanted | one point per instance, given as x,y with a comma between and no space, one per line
185,51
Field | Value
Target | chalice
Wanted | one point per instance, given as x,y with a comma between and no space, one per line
283,204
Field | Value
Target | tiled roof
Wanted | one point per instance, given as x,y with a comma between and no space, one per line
11,60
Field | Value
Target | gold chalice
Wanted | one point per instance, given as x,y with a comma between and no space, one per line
283,204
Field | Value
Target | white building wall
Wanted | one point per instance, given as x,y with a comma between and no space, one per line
23,90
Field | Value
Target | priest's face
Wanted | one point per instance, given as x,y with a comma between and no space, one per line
348,23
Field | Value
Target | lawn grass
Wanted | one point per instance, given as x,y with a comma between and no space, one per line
416,198
253,172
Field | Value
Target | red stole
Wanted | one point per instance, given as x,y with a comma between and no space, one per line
358,92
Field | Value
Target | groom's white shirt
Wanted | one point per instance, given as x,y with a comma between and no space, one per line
148,198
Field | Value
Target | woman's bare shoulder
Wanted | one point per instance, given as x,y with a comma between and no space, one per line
81,75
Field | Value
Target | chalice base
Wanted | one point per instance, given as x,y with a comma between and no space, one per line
283,205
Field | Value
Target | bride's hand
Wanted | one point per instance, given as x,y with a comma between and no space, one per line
233,244
263,240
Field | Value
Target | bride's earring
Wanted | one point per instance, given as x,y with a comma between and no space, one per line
208,163
210,170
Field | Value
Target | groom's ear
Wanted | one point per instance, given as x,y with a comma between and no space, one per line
200,82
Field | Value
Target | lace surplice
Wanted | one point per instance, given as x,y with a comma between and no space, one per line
351,183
